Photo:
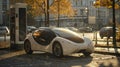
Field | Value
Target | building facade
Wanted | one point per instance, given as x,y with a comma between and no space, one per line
86,15
84,11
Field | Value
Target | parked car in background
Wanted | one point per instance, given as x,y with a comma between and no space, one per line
30,29
108,32
4,30
57,41
85,29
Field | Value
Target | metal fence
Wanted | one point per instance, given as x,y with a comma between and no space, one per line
104,44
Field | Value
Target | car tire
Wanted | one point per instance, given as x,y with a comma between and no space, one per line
86,53
57,50
27,47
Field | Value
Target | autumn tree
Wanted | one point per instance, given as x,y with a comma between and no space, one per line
65,7
106,3
38,7
110,4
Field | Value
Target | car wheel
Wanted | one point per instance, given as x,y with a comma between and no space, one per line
27,47
86,53
57,49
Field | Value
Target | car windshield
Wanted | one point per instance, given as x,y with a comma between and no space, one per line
68,34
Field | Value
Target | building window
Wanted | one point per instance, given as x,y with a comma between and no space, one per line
91,3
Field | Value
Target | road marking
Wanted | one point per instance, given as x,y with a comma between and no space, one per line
12,54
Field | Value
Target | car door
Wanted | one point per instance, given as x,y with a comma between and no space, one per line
44,39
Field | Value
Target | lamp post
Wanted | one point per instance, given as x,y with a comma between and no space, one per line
81,14
114,28
114,24
84,14
87,14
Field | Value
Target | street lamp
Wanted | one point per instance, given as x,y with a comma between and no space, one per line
84,14
86,11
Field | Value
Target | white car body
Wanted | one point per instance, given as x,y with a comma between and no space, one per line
68,46
4,30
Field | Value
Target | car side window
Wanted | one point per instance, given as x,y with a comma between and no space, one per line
44,37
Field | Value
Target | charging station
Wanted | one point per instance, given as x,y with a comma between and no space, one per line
18,24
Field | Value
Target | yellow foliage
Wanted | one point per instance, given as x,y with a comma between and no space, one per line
64,7
105,3
117,6
38,7
109,6
97,4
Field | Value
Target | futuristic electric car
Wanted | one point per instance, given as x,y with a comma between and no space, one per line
57,41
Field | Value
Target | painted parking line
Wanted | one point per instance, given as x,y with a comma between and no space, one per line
12,54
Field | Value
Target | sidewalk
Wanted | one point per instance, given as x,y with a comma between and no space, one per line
107,50
4,42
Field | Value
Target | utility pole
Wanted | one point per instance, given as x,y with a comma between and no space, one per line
114,28
114,24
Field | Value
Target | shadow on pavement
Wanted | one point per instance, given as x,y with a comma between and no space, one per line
20,59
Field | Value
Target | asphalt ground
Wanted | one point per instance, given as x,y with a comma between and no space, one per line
18,58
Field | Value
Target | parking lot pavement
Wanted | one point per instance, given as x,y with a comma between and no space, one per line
10,54
18,58
41,59
107,50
